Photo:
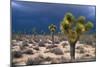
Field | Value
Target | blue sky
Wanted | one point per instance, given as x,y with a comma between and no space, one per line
28,15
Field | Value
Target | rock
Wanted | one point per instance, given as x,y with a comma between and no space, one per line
28,51
57,51
41,44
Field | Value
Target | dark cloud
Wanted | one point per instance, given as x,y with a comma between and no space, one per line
27,15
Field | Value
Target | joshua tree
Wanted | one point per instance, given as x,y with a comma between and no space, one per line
73,28
52,29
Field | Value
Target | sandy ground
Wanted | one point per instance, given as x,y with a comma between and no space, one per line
45,53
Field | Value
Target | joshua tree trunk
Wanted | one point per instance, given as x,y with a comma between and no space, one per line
72,51
52,34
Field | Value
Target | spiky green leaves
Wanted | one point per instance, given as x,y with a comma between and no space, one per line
73,28
52,28
64,26
67,22
88,26
81,20
80,28
69,17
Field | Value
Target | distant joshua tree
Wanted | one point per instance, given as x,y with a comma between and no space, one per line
73,29
52,29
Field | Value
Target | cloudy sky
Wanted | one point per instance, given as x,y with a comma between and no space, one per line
29,15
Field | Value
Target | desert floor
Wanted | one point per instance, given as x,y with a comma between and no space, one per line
31,50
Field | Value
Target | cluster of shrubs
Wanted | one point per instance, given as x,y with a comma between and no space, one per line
17,54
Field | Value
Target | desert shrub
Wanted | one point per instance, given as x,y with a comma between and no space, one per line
36,39
36,48
30,61
25,43
14,64
28,51
79,47
82,51
55,61
64,59
87,55
17,54
35,61
31,41
57,42
64,44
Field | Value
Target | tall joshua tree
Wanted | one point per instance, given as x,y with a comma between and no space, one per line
52,29
73,28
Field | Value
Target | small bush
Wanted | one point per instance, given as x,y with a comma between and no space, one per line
51,46
36,48
82,51
64,44
28,51
37,60
17,54
30,61
25,44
